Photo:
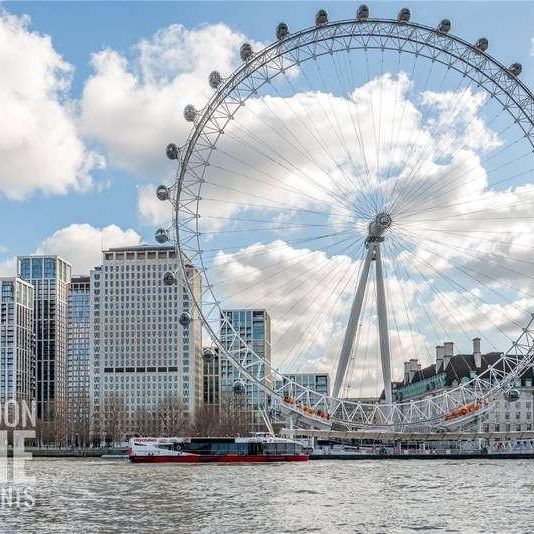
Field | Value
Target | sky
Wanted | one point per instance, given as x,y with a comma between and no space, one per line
92,92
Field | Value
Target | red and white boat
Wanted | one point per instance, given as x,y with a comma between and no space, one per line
258,448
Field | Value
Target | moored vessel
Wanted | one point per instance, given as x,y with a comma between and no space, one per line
224,450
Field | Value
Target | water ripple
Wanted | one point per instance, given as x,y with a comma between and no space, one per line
95,496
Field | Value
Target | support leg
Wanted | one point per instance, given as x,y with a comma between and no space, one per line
383,325
354,318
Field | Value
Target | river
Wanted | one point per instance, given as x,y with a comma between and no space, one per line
104,496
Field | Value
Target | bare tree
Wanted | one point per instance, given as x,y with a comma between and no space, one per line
147,422
52,428
58,423
207,421
114,415
173,417
235,415
79,420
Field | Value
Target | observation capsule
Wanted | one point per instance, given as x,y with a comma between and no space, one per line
515,69
404,15
208,354
169,279
245,51
172,151
161,235
282,31
321,18
445,26
239,387
190,113
482,44
363,12
184,319
162,193
512,395
215,79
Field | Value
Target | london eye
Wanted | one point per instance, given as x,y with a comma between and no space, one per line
369,182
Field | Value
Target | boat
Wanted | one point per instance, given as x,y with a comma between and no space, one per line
259,448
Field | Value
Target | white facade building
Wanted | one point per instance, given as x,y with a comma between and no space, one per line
451,369
140,354
253,327
17,348
50,277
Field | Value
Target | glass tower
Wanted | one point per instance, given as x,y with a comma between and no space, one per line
50,277
78,340
17,354
253,327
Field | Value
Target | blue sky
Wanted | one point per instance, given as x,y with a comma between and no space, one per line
80,29
92,92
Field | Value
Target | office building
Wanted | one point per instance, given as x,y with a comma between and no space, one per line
78,342
50,277
141,356
212,377
318,382
254,329
17,350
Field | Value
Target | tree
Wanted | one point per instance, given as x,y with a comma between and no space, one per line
173,417
146,422
207,421
235,415
79,420
114,415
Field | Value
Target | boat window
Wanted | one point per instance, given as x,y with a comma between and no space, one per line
243,448
255,448
269,448
218,447
199,446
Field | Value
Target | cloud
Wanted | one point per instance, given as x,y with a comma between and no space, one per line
40,147
135,107
8,267
291,154
308,294
82,244
151,210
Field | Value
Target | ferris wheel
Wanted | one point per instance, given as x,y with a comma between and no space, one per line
368,182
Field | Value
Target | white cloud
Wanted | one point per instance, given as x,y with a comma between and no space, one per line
151,210
134,108
8,267
82,244
40,148
274,155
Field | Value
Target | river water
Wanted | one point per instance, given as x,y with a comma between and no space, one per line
93,495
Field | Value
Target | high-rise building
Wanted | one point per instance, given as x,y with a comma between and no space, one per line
254,328
17,350
212,377
50,277
319,382
78,341
141,355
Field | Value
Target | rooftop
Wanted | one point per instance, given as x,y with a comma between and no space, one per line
140,248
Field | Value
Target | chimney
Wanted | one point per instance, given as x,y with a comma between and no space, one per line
406,373
412,367
440,353
449,353
476,352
